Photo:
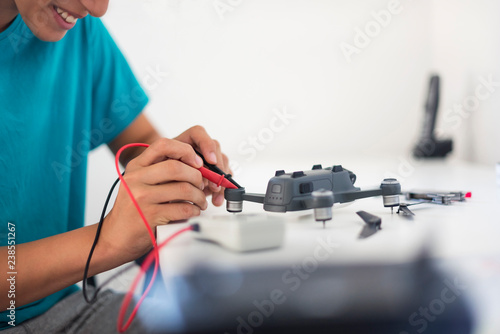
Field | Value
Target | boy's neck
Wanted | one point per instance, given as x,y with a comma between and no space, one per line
8,12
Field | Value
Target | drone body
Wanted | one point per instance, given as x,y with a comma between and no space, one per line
318,189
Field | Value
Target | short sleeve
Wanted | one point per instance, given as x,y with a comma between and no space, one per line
117,96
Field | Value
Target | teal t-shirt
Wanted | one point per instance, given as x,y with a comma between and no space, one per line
58,100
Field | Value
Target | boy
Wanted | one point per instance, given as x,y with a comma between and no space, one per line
65,88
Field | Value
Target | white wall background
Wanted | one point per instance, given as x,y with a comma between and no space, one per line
231,69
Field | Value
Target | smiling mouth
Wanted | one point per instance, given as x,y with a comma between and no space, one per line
65,15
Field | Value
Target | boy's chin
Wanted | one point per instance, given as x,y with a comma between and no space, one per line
50,36
46,32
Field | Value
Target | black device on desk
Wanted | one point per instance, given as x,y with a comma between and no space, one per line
399,298
428,145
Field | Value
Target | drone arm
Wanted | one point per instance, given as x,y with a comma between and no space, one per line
344,197
389,190
257,198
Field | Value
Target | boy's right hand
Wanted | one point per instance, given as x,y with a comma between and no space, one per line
167,186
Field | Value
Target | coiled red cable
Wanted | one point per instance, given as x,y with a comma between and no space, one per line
153,255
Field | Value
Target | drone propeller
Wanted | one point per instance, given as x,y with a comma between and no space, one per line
403,208
373,224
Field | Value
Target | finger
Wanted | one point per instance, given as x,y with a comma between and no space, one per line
176,211
215,192
218,198
218,194
172,170
223,161
218,153
174,192
164,148
227,169
214,187
198,137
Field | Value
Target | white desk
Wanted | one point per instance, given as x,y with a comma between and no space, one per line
465,234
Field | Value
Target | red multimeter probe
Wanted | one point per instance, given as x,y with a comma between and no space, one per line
216,175
218,179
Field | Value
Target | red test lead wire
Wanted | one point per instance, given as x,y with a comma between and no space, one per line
128,296
218,179
144,268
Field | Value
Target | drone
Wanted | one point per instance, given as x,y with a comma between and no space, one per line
317,189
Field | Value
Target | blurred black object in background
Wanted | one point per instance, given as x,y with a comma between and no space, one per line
428,146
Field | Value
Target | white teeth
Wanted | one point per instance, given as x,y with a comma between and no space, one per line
66,16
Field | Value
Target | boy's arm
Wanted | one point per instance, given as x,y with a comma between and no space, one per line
48,265
139,131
